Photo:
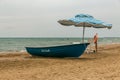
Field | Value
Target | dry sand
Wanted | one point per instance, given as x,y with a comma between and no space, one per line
104,65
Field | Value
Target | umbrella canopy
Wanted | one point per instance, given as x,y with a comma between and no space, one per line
85,20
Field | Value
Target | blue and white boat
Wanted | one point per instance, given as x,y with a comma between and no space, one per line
73,50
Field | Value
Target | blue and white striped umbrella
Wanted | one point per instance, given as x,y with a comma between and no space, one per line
85,20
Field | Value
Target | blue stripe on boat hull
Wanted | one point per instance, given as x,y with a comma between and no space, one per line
74,50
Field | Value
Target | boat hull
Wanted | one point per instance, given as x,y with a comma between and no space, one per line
74,50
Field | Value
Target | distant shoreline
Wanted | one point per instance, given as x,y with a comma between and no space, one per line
92,45
19,44
57,37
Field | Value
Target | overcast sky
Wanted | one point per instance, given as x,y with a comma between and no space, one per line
38,18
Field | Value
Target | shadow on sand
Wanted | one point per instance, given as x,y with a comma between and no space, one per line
59,58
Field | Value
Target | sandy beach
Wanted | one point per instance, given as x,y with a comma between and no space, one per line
103,65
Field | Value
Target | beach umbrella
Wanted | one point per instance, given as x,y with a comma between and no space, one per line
84,20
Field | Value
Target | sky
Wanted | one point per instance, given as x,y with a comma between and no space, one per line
38,18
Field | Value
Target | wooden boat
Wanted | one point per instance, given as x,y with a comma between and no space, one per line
73,50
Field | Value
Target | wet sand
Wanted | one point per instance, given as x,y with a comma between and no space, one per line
103,65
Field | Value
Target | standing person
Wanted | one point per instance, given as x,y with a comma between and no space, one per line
95,41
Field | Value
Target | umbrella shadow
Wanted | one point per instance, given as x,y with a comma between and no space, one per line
83,58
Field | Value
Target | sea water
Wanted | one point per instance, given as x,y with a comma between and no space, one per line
19,44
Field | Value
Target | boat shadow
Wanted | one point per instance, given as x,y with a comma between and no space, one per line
60,58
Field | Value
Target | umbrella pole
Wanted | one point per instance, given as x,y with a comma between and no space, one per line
83,32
